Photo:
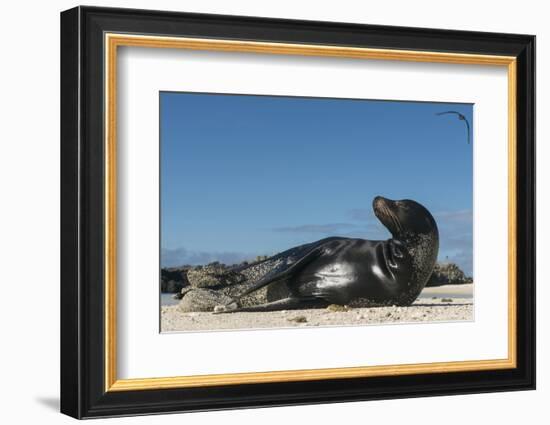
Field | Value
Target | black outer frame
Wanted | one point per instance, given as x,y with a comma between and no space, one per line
82,203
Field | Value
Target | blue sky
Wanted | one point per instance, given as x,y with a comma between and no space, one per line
254,175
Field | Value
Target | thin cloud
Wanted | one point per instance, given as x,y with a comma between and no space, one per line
183,256
455,232
371,231
460,216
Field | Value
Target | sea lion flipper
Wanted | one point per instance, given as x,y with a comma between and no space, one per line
283,304
289,303
286,273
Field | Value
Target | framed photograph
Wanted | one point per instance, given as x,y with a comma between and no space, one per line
261,212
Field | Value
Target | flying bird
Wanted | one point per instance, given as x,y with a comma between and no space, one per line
460,117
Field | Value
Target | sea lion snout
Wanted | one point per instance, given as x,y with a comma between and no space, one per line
379,202
384,210
382,207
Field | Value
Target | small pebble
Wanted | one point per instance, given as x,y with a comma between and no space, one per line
337,307
298,319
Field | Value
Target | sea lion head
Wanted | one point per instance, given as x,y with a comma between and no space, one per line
405,219
413,227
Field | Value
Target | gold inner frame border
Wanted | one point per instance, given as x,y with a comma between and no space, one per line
111,43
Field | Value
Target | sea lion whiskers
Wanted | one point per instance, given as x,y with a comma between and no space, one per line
392,217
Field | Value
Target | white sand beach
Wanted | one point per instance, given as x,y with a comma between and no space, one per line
436,304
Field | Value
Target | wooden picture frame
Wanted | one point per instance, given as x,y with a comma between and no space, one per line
90,38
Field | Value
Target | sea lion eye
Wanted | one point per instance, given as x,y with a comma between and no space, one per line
402,205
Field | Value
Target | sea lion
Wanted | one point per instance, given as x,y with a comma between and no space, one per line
339,270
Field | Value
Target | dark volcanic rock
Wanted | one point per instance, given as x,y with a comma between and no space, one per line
173,279
447,274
